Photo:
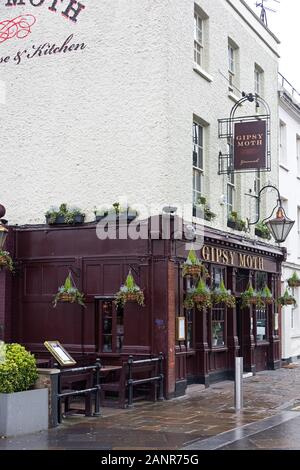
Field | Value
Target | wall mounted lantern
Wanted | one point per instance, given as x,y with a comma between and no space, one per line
3,229
281,225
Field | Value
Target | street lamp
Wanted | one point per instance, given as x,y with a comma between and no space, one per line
3,230
281,225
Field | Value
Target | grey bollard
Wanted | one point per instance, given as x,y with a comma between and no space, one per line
238,384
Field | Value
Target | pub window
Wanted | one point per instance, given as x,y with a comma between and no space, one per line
198,39
218,318
112,327
190,328
261,280
232,65
217,275
282,143
218,327
258,80
198,158
261,324
298,230
298,154
257,188
230,193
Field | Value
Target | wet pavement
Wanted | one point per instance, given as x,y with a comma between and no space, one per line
203,419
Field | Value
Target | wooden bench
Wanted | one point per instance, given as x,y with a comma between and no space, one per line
138,379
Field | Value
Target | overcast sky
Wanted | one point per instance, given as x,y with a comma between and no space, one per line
285,24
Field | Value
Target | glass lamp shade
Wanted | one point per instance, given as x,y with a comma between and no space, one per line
281,226
3,235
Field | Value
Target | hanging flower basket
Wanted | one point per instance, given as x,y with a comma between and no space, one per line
193,267
130,292
199,297
294,281
266,296
251,297
68,293
221,295
5,261
286,299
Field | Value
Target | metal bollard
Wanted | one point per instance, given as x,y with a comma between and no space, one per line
129,382
238,384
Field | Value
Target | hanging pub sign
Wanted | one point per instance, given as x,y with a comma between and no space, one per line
250,139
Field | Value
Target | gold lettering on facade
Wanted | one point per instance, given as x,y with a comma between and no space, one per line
232,258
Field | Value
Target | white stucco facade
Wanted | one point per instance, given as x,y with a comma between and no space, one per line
289,124
113,117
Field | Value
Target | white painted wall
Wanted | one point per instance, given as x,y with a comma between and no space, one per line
290,191
116,118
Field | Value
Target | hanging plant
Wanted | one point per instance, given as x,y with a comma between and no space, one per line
199,297
251,297
266,296
221,295
5,261
286,299
130,292
193,266
69,293
294,281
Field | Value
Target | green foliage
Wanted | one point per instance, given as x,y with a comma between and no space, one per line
193,266
130,291
262,231
18,372
221,295
294,280
74,295
207,212
240,224
199,297
192,258
266,293
5,261
250,297
69,215
116,209
286,299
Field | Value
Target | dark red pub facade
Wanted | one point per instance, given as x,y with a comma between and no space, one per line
45,255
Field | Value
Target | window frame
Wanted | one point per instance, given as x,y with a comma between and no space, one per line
221,310
198,39
198,169
282,142
114,334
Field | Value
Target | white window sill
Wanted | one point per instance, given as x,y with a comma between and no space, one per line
202,73
283,167
233,97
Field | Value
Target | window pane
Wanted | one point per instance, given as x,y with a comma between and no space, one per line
218,327
261,325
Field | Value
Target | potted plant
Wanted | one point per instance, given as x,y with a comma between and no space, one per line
199,297
5,261
130,292
64,215
286,299
294,281
69,293
266,296
235,222
193,266
23,410
205,211
221,295
216,330
262,231
115,212
251,297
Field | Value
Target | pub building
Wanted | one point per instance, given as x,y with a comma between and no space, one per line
44,254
